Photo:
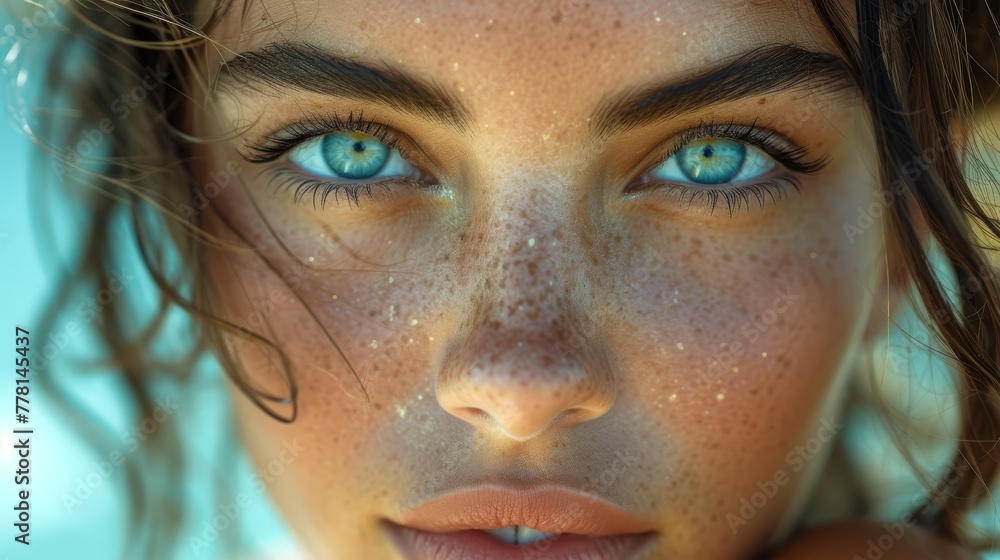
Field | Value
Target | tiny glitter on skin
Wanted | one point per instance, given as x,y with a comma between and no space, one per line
535,287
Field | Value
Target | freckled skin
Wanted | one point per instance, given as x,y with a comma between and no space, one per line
537,321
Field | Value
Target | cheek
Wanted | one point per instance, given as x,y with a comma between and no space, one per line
738,342
360,343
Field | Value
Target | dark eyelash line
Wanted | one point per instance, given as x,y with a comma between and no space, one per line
320,191
277,144
768,141
735,198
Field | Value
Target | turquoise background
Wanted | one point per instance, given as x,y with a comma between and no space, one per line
78,497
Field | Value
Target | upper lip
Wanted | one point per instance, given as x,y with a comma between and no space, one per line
551,509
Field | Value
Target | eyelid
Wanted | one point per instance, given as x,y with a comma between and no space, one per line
772,143
276,144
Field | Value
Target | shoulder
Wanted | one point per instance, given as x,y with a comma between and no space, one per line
870,540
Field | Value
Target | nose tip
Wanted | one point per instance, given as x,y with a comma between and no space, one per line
521,389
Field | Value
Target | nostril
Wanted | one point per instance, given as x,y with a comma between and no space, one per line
475,416
572,416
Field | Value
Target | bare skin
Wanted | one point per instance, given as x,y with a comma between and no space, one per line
518,312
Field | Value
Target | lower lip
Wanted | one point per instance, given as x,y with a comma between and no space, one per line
478,545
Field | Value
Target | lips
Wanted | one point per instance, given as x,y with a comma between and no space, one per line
519,521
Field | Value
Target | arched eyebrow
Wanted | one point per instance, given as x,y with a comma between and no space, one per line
306,67
764,70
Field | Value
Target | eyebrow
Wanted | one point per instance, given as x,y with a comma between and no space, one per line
306,67
764,70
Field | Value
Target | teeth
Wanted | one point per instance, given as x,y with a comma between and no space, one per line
507,534
520,535
526,535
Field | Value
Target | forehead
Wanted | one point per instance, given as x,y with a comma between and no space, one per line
548,44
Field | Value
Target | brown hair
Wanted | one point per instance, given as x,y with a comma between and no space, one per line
921,84
923,68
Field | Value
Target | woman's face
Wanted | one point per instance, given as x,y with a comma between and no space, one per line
540,250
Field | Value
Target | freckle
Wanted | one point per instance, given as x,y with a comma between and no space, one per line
753,258
680,345
727,257
762,101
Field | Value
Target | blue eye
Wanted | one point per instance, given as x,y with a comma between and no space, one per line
714,161
351,156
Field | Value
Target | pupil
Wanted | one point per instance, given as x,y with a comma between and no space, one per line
359,146
707,152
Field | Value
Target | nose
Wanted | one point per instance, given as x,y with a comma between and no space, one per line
521,386
525,356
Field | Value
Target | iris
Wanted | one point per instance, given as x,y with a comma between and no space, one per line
711,161
353,155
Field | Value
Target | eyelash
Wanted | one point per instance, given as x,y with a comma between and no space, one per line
278,144
736,197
